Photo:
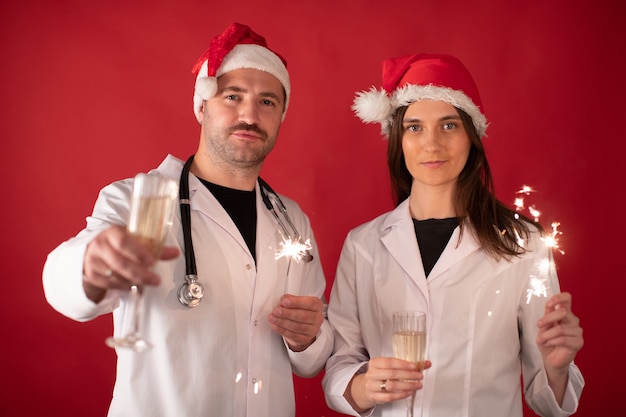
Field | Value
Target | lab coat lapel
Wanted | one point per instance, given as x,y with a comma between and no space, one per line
266,240
267,245
455,251
203,201
398,236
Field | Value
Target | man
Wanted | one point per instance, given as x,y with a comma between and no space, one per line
260,317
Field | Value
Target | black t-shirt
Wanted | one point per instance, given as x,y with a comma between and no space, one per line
432,237
241,207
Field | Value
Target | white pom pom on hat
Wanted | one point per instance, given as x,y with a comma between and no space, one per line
237,47
411,78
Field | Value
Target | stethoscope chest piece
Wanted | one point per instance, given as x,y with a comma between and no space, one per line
190,293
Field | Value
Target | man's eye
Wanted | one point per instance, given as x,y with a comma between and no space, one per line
268,103
232,97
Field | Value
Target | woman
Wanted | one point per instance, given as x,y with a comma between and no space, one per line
449,248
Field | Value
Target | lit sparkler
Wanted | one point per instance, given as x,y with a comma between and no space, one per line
296,249
539,279
551,241
292,244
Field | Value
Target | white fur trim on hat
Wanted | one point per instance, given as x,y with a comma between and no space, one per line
375,106
242,56
205,88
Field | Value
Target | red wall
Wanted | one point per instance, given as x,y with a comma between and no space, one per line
96,91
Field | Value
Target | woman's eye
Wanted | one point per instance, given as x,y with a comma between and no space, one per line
449,125
413,128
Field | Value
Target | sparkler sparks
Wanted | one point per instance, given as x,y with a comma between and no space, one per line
521,242
295,249
539,284
551,241
539,278
534,212
537,287
526,189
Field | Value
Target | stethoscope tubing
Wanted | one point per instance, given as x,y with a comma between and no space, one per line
190,292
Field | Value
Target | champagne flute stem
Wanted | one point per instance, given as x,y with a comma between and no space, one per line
136,302
409,405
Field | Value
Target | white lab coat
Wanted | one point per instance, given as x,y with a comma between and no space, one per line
220,358
481,330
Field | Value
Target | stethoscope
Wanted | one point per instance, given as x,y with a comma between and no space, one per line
190,292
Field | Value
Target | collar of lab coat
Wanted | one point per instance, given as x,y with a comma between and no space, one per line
398,236
207,204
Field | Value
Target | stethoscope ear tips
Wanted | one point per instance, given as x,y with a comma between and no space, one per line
190,294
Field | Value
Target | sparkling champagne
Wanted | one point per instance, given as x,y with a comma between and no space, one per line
410,346
147,222
152,207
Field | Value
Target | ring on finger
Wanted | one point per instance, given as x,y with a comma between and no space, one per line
109,273
383,385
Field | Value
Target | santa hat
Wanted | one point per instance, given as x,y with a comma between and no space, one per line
419,77
238,47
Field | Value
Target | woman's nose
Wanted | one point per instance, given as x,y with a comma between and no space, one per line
431,139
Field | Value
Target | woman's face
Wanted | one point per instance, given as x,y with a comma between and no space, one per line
435,144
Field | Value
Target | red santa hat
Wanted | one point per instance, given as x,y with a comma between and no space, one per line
238,47
419,77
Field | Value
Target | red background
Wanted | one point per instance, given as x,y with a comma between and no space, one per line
96,91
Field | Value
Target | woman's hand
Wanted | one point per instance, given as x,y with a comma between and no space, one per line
387,379
560,337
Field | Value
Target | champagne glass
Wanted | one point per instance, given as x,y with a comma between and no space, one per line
409,342
152,207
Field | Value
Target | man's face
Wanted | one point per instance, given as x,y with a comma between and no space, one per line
241,122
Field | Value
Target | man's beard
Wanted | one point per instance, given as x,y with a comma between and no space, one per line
241,156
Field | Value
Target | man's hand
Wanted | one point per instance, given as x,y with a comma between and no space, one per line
298,319
115,259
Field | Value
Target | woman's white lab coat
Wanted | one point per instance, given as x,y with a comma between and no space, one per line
482,318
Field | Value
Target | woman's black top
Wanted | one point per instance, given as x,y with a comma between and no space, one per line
432,237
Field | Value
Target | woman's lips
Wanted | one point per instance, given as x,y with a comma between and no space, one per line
433,164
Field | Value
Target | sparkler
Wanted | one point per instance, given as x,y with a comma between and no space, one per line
551,241
292,244
539,284
296,249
